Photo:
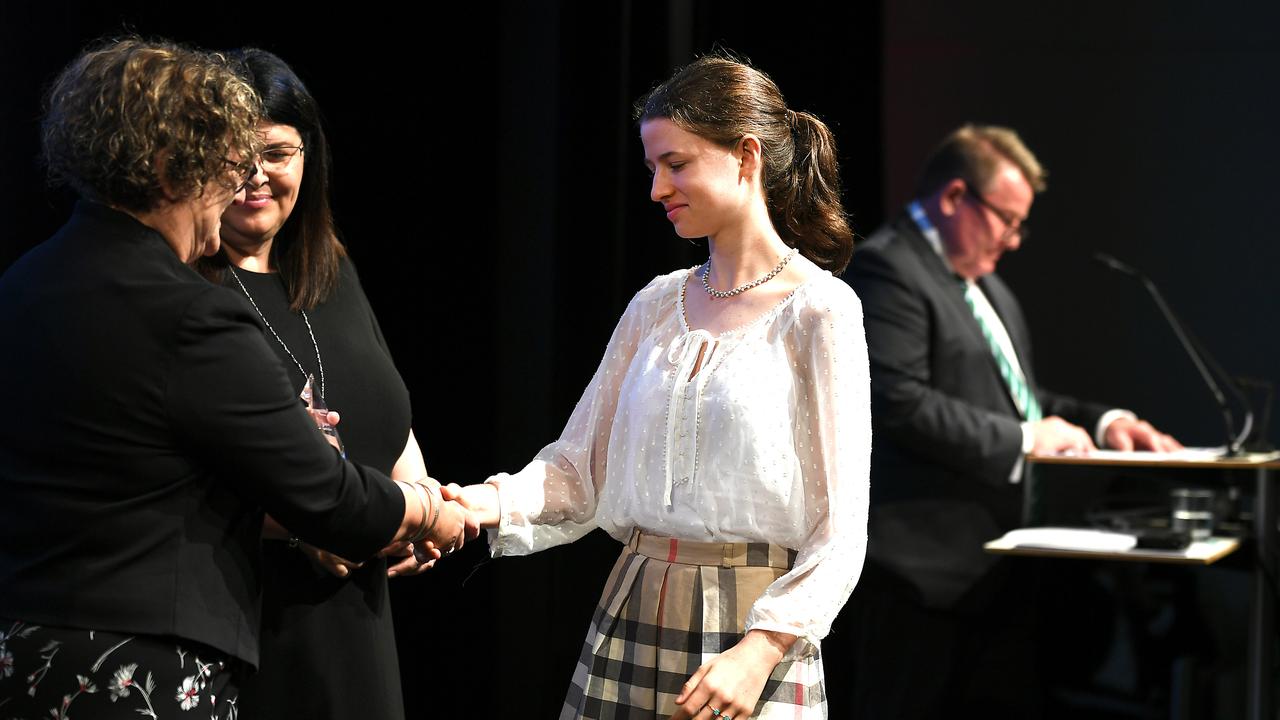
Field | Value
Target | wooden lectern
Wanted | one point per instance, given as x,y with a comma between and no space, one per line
1262,611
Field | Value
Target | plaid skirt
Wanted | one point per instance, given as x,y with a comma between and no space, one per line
669,607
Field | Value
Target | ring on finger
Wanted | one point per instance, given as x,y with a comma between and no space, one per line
714,712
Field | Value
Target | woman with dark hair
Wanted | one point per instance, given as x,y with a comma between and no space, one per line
147,425
328,645
726,436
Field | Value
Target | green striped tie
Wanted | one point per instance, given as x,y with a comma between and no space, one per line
1018,390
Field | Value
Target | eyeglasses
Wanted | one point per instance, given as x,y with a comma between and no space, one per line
277,158
272,160
240,172
1013,225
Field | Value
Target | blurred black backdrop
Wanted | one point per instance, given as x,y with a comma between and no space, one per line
488,182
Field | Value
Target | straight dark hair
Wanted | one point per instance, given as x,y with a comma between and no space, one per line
306,250
722,99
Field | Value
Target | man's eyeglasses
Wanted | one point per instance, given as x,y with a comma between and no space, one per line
1012,224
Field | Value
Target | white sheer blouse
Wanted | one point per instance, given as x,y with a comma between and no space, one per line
768,441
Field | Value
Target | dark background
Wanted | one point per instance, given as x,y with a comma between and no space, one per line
489,184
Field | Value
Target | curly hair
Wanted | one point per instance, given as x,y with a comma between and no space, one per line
722,99
130,118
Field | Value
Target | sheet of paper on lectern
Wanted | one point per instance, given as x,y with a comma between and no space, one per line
1193,454
1057,538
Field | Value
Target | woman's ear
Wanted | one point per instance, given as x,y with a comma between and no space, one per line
170,192
750,156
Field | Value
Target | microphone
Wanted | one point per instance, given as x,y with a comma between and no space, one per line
1200,356
1110,262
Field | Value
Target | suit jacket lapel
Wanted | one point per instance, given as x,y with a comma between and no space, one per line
951,285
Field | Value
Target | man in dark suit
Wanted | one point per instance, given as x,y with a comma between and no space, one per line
942,627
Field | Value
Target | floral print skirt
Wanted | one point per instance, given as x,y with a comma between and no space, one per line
58,673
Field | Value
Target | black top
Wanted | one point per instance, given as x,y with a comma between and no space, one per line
360,380
146,424
328,643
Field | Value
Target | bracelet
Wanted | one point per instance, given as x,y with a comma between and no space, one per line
425,528
422,524
438,501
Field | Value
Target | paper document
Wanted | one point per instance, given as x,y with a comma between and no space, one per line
1199,454
1057,538
1192,454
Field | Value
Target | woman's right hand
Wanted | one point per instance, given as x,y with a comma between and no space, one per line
327,419
455,526
481,500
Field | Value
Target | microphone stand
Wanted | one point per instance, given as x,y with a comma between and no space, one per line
1199,355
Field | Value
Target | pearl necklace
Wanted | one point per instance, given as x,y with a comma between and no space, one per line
722,294
280,340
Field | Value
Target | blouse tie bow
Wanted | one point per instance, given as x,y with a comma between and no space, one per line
684,354
684,349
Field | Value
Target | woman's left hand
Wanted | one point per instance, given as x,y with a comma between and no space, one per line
327,561
729,685
412,561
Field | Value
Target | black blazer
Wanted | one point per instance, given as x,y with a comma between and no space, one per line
947,433
146,424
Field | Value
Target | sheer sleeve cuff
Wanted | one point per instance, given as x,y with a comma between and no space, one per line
806,643
511,537
522,529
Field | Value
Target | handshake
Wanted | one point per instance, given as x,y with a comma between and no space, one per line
438,519
441,519
449,516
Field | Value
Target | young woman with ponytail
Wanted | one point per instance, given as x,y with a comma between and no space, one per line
726,436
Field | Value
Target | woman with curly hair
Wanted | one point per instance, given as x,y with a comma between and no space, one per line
147,423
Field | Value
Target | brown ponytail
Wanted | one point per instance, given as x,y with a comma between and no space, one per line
721,100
